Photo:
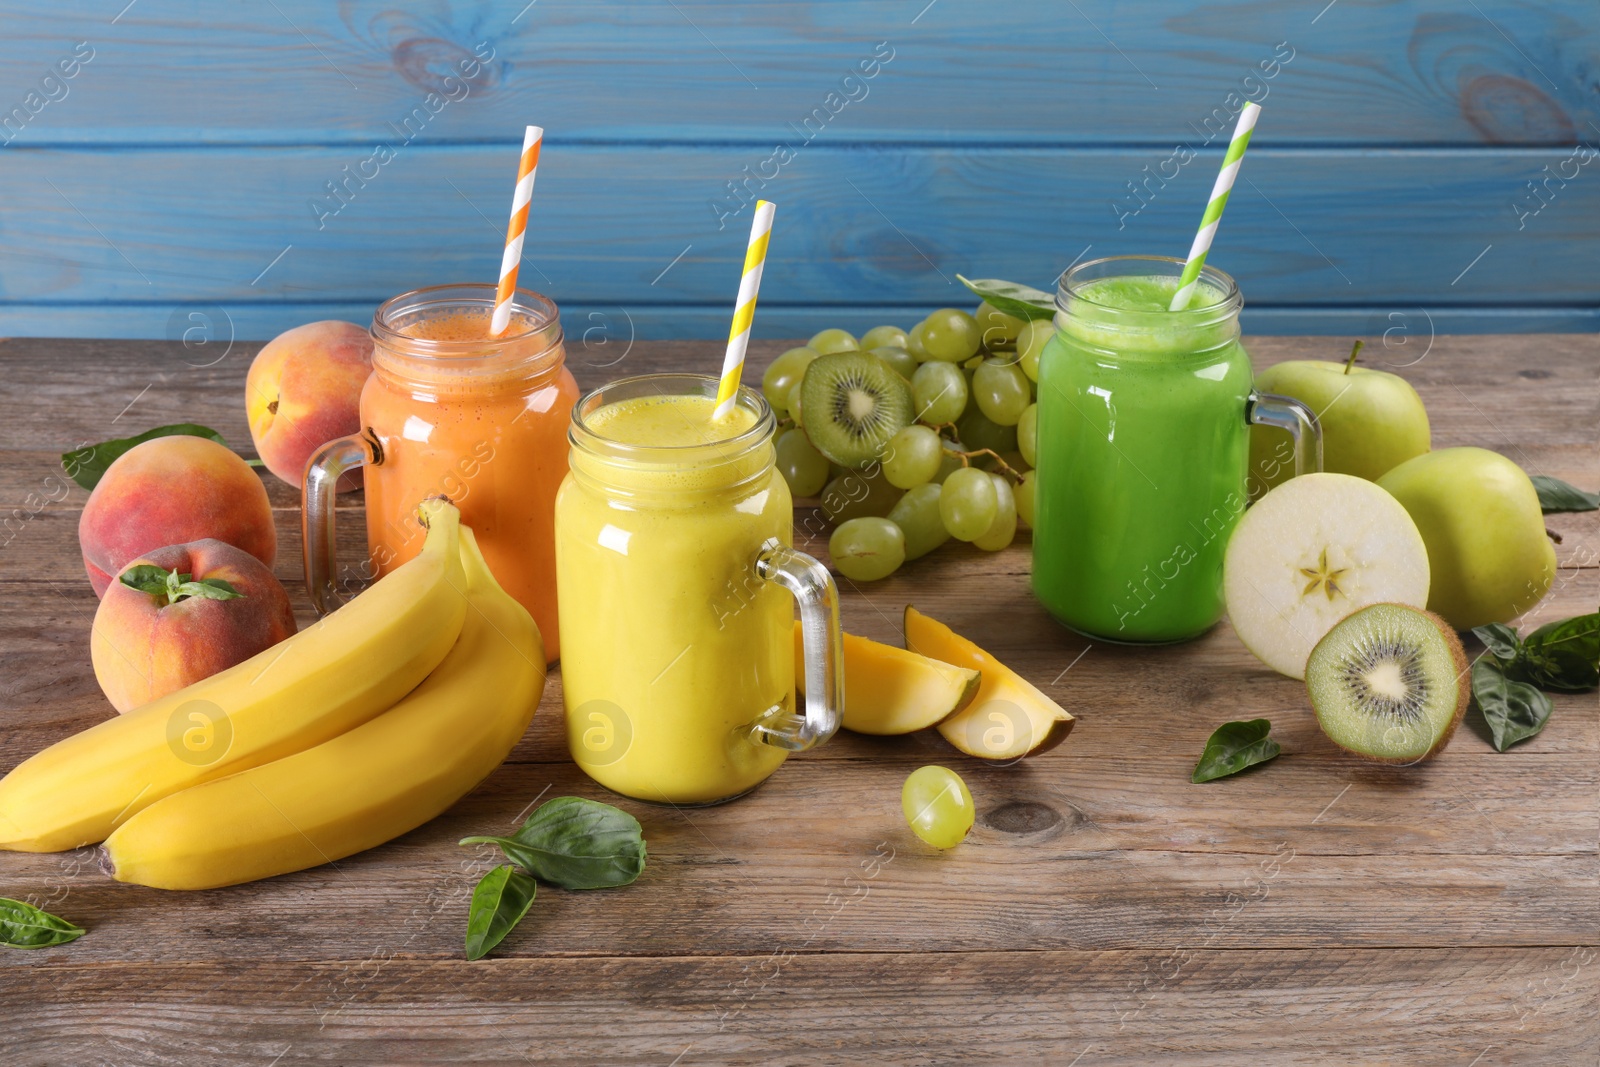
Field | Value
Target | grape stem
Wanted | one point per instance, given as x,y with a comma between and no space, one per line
966,461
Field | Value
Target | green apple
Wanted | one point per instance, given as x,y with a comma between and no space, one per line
1371,420
1488,557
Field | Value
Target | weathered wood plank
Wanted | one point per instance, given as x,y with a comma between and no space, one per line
1168,1004
1150,71
716,885
886,226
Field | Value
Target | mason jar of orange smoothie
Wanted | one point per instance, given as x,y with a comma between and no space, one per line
450,411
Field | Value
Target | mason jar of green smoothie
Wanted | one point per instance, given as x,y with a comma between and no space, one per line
1143,449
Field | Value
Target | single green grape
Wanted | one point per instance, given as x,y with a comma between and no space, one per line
867,548
977,431
950,335
1004,526
902,362
1024,495
802,466
1002,391
914,343
1030,343
1028,434
999,329
912,457
917,515
883,337
938,806
856,493
783,374
792,404
828,341
968,503
939,391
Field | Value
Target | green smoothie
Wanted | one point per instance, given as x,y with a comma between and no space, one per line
1143,446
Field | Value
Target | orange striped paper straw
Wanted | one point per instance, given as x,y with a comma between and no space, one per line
515,230
744,309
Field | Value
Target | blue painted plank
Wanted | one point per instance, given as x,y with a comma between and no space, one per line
638,228
1035,71
598,336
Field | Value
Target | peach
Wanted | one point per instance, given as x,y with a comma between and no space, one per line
304,390
168,491
154,634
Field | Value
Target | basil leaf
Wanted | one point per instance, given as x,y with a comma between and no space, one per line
1515,711
501,899
1556,495
147,578
209,589
1501,641
1564,656
86,465
1018,300
24,926
1233,746
576,844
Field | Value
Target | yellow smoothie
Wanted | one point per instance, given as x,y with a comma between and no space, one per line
671,646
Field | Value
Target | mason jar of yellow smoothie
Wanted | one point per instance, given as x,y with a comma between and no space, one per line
677,584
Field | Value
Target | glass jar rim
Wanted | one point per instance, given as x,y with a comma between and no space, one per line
590,440
543,335
1073,281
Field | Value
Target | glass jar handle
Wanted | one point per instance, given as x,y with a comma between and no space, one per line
814,591
323,471
1287,413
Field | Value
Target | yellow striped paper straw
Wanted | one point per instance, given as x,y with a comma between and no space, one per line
744,310
1219,200
515,229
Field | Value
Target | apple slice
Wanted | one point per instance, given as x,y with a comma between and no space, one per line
1312,551
1008,718
888,690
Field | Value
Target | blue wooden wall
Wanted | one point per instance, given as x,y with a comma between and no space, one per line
1421,165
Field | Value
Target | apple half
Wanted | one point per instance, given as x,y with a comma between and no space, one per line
1310,552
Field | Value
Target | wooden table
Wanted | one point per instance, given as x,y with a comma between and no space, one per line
1316,910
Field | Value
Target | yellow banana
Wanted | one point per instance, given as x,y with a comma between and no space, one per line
364,787
326,679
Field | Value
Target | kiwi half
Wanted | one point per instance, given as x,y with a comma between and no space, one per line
1389,682
853,404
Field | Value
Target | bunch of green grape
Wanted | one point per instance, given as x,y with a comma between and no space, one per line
963,469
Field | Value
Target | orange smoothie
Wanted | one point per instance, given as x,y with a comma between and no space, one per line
481,421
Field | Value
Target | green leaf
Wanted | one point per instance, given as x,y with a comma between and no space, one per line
86,465
501,899
1564,656
1515,711
25,926
1019,300
1556,495
1501,640
145,577
576,844
209,589
1233,746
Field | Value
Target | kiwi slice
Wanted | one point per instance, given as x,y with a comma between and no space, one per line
1390,683
853,403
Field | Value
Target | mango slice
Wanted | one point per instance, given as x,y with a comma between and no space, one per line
888,690
1009,718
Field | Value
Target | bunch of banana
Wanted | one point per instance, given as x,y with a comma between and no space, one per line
323,681
339,738
364,787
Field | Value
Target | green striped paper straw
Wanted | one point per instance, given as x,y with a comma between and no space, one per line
1219,200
